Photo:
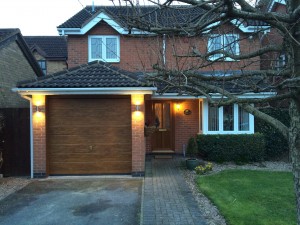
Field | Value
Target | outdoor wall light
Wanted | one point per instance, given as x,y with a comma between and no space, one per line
38,109
137,108
177,106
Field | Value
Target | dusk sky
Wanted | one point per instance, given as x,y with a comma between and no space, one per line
41,17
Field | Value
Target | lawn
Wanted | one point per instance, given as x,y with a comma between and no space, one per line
246,197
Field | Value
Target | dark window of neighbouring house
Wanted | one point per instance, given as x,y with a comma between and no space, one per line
43,65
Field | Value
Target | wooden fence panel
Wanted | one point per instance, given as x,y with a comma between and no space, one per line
15,142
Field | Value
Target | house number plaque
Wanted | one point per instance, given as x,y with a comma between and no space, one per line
187,112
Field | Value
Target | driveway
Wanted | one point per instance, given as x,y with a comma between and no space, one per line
84,201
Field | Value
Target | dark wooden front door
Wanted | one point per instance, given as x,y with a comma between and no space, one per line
162,139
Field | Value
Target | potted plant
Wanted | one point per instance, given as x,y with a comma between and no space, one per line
191,151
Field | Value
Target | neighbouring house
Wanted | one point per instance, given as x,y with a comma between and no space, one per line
49,51
16,64
91,119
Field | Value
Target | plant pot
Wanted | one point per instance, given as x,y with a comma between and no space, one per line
191,164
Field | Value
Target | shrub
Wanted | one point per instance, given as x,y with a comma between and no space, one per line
192,149
232,147
276,144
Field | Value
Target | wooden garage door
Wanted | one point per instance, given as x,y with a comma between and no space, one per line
88,135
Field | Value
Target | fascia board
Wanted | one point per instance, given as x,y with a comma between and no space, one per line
84,91
213,95
248,29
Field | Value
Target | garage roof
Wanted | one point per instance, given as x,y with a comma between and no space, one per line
96,74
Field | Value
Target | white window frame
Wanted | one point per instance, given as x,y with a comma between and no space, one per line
104,58
236,130
210,46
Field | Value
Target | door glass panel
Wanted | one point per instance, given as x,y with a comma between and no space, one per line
158,115
166,116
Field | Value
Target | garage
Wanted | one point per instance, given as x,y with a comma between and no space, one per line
88,135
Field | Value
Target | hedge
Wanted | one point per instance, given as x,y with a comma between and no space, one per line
231,147
276,144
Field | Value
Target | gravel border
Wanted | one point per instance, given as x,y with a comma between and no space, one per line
208,209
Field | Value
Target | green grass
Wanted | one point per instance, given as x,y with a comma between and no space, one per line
247,197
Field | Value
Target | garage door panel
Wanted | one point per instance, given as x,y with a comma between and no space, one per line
88,136
88,140
88,158
89,130
117,167
103,148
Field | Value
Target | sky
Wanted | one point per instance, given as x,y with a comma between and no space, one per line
41,17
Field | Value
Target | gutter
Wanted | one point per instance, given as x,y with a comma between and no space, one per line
31,136
85,91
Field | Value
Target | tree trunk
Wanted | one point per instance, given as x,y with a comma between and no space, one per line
294,145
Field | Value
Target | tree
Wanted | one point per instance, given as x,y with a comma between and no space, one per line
284,79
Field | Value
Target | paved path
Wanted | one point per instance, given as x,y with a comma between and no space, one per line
167,198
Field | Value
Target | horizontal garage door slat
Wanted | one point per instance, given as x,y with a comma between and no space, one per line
88,135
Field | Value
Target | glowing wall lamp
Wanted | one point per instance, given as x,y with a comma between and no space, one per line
137,108
177,105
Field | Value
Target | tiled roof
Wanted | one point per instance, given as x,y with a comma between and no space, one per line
151,16
6,33
175,16
14,35
93,75
51,47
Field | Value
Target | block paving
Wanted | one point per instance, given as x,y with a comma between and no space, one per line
167,198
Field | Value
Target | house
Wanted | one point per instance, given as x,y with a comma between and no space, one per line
96,111
16,64
49,51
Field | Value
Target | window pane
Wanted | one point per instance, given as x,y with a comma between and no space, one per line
215,44
243,120
213,118
96,48
111,48
228,118
43,66
231,44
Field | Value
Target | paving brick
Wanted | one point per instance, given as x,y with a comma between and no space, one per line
167,198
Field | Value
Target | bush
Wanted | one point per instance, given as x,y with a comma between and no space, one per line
276,144
238,148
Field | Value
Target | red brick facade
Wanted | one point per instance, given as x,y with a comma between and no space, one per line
141,53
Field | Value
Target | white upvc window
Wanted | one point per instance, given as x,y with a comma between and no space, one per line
225,42
104,47
229,119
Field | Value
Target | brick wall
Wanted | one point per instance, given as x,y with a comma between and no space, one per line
138,139
14,67
140,53
39,137
186,126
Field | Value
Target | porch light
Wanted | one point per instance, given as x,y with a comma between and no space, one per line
137,108
177,106
37,108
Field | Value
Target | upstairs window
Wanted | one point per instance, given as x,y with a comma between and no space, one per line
43,65
281,62
227,42
104,48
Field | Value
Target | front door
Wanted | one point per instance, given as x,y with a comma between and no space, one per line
163,136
